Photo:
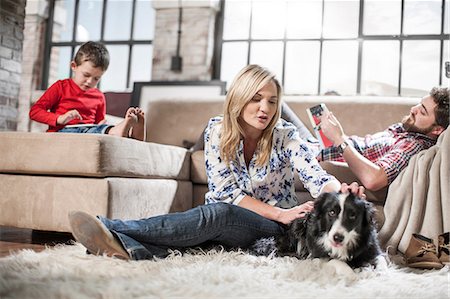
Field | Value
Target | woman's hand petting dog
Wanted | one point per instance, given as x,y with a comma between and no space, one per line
353,188
288,215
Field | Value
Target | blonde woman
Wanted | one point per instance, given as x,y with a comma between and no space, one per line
251,159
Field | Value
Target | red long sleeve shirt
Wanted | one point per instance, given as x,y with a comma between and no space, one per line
65,95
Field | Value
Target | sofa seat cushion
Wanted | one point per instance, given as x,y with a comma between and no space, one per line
91,155
43,202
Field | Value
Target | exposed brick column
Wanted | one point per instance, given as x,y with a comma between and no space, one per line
197,39
32,61
12,16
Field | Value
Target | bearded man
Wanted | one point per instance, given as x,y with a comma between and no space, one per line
377,159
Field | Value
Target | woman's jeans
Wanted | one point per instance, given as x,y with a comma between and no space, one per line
221,223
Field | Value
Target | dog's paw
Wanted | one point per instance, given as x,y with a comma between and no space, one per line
342,270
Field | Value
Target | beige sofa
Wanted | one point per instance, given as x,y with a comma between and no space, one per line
43,176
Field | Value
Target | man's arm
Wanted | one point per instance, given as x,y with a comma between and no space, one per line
372,176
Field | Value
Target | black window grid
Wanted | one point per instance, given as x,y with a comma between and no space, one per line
442,37
49,43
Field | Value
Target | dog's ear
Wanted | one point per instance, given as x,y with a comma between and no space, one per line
319,202
298,227
369,212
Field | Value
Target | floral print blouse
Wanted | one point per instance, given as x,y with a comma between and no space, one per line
272,183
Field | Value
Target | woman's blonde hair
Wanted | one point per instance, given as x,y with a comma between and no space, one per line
245,85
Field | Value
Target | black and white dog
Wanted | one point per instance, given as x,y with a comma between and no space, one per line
340,227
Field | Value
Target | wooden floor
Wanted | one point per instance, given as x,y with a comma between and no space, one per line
14,239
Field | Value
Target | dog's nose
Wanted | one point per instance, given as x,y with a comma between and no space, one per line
338,238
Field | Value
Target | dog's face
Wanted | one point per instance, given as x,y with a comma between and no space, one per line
340,219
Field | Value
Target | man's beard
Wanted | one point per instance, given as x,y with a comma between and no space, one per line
408,124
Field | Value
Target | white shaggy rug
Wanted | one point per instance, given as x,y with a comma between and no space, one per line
67,272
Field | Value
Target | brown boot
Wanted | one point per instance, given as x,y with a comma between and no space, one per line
444,248
94,235
421,253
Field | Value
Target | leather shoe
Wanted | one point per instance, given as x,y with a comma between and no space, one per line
444,248
421,253
95,236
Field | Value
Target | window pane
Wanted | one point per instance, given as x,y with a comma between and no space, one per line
268,19
341,18
236,24
445,80
118,20
141,63
89,20
446,17
234,58
144,20
63,20
304,19
269,55
339,67
60,58
115,78
422,17
380,64
420,65
302,68
382,17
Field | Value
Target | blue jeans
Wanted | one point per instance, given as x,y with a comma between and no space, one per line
220,223
94,129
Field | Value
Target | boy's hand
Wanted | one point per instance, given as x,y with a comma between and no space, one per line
68,116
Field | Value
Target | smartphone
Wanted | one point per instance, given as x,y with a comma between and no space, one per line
315,114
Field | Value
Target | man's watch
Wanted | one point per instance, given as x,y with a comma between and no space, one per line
341,147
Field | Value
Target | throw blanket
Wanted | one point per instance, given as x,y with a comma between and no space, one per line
418,200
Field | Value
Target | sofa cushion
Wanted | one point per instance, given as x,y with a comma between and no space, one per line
91,155
358,115
198,171
183,119
43,202
180,121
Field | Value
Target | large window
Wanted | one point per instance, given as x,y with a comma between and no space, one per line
368,47
126,27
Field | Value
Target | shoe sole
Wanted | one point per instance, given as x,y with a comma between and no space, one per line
94,235
426,265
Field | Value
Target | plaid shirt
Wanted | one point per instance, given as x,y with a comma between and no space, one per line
390,149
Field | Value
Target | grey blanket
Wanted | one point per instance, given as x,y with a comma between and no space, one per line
418,200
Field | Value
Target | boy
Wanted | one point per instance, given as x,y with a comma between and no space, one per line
75,105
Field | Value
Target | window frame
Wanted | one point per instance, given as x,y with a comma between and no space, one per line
73,44
401,37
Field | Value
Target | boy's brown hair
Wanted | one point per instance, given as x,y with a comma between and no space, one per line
93,52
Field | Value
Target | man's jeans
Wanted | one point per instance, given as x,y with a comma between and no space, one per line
221,223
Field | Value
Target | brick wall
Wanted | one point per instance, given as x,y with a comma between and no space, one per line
32,59
12,18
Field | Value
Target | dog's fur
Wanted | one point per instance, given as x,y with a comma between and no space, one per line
340,227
